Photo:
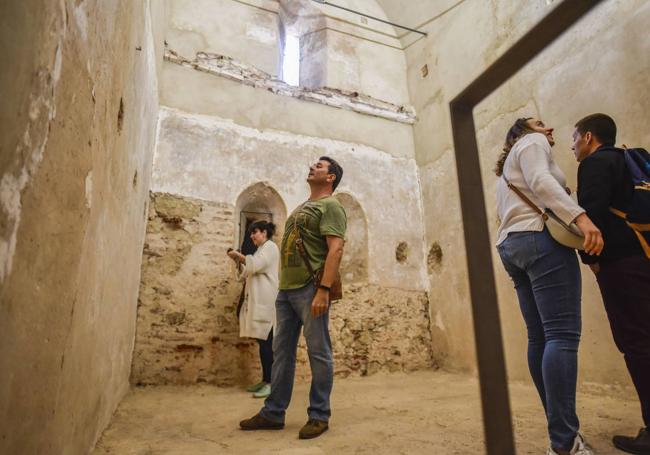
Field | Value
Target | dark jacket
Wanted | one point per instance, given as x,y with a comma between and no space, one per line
603,182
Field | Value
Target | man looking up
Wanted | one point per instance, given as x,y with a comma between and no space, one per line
320,223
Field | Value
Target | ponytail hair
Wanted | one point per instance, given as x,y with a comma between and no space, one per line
516,132
262,226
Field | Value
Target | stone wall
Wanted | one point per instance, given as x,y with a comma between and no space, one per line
187,328
78,118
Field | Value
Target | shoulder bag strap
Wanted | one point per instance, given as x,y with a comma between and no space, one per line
523,197
301,249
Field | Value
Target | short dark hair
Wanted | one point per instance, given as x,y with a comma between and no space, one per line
262,225
601,126
334,168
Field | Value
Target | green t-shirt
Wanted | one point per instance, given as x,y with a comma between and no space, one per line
315,220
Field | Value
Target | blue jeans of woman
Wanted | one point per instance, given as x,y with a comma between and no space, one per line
546,276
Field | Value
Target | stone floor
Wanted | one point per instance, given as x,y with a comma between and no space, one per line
421,413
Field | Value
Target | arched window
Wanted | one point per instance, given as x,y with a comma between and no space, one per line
354,265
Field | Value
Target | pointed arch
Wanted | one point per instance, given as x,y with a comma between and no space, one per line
259,201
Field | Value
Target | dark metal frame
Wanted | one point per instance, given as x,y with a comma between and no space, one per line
487,328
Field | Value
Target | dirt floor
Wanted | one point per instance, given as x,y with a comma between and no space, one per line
421,413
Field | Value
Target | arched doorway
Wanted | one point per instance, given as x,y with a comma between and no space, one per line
258,202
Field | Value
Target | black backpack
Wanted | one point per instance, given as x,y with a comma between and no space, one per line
638,214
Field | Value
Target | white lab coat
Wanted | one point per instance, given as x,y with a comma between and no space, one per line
257,315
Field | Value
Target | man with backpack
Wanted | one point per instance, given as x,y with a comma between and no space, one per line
310,255
614,189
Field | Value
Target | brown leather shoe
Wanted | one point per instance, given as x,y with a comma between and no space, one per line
313,429
257,422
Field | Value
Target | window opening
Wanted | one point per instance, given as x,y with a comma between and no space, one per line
291,60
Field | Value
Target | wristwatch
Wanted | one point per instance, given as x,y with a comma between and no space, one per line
322,286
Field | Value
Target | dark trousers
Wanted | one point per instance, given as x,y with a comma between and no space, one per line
266,357
625,287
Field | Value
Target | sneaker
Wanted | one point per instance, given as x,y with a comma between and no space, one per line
257,422
638,446
255,387
264,392
580,447
313,429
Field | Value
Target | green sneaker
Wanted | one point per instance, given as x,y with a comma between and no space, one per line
255,387
264,392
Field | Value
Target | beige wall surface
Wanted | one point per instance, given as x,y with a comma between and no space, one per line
244,30
78,116
215,159
600,65
218,137
192,91
358,56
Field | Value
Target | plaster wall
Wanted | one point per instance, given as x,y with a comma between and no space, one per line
214,159
247,31
351,54
193,91
600,65
78,126
374,68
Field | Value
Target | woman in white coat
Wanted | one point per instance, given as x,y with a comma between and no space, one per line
257,315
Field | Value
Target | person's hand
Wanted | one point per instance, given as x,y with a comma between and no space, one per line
594,242
235,255
320,303
595,268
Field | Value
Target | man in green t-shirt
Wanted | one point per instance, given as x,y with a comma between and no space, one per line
320,223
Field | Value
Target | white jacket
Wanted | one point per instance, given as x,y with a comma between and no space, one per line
531,168
257,316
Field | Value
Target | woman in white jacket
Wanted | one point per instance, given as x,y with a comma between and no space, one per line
257,315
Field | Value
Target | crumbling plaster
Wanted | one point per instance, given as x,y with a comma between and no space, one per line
599,65
187,325
223,66
78,114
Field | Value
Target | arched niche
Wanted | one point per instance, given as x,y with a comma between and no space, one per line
259,202
354,265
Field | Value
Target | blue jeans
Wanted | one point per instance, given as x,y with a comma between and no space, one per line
547,279
293,310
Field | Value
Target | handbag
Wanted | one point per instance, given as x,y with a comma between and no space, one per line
568,235
336,289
